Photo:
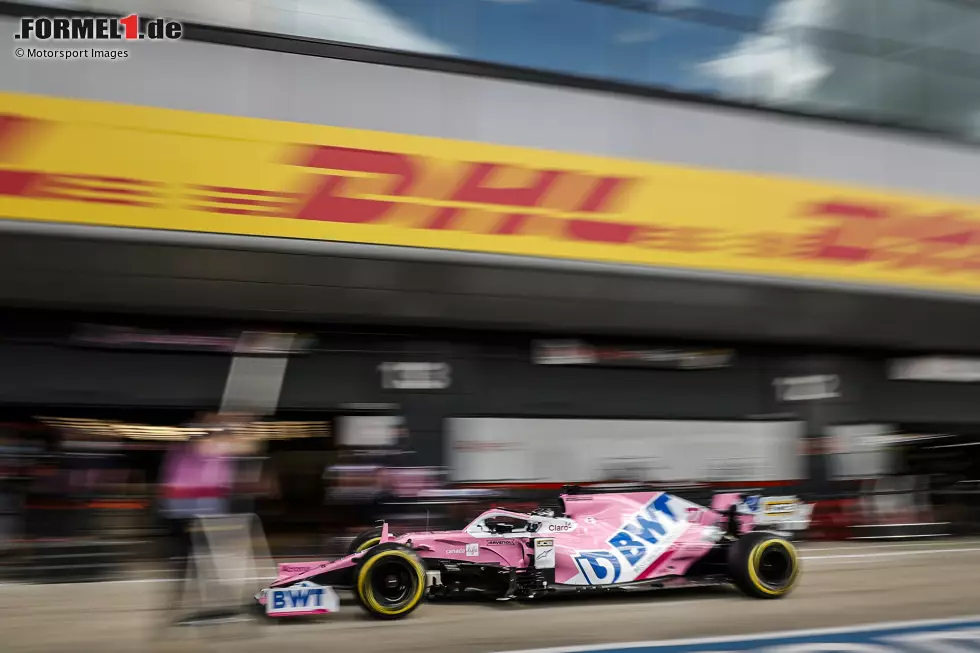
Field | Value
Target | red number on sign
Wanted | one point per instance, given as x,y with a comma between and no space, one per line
132,25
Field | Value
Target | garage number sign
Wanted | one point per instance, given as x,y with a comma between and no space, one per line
415,376
935,368
807,388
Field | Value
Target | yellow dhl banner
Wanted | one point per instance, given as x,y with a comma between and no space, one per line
108,164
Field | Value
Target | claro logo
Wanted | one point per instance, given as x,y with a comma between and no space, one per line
559,528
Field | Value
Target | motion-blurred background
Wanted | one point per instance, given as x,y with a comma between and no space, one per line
752,266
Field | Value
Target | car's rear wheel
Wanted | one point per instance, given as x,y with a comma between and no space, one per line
764,565
390,581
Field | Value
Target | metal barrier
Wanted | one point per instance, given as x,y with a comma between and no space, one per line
907,512
229,562
67,561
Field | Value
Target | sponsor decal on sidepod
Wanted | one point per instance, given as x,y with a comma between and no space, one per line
471,550
636,546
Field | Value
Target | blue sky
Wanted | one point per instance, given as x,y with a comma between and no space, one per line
577,36
781,56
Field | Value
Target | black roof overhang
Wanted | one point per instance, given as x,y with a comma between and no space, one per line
55,266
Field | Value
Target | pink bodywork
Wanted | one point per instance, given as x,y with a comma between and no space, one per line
601,539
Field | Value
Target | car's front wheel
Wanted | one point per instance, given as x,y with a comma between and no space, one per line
390,581
365,540
764,565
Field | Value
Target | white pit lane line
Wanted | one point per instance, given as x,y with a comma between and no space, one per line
862,545
884,554
766,639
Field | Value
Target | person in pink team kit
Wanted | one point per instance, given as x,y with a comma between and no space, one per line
196,481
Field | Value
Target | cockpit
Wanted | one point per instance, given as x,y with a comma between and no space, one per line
507,525
503,522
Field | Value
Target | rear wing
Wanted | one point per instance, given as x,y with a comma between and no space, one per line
788,513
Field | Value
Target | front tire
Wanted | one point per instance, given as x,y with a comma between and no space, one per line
390,581
365,540
764,565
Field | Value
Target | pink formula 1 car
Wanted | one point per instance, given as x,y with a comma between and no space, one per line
591,542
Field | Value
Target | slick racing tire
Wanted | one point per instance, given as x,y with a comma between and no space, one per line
389,582
365,540
763,565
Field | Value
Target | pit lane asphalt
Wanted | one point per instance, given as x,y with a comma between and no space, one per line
842,585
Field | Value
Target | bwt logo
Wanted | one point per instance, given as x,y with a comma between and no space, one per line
652,528
598,567
646,530
305,598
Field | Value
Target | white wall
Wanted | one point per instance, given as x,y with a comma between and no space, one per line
581,450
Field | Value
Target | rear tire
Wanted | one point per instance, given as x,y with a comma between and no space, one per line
365,540
764,565
390,581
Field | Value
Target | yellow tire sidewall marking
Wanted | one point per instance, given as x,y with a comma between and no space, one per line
756,555
368,596
368,544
